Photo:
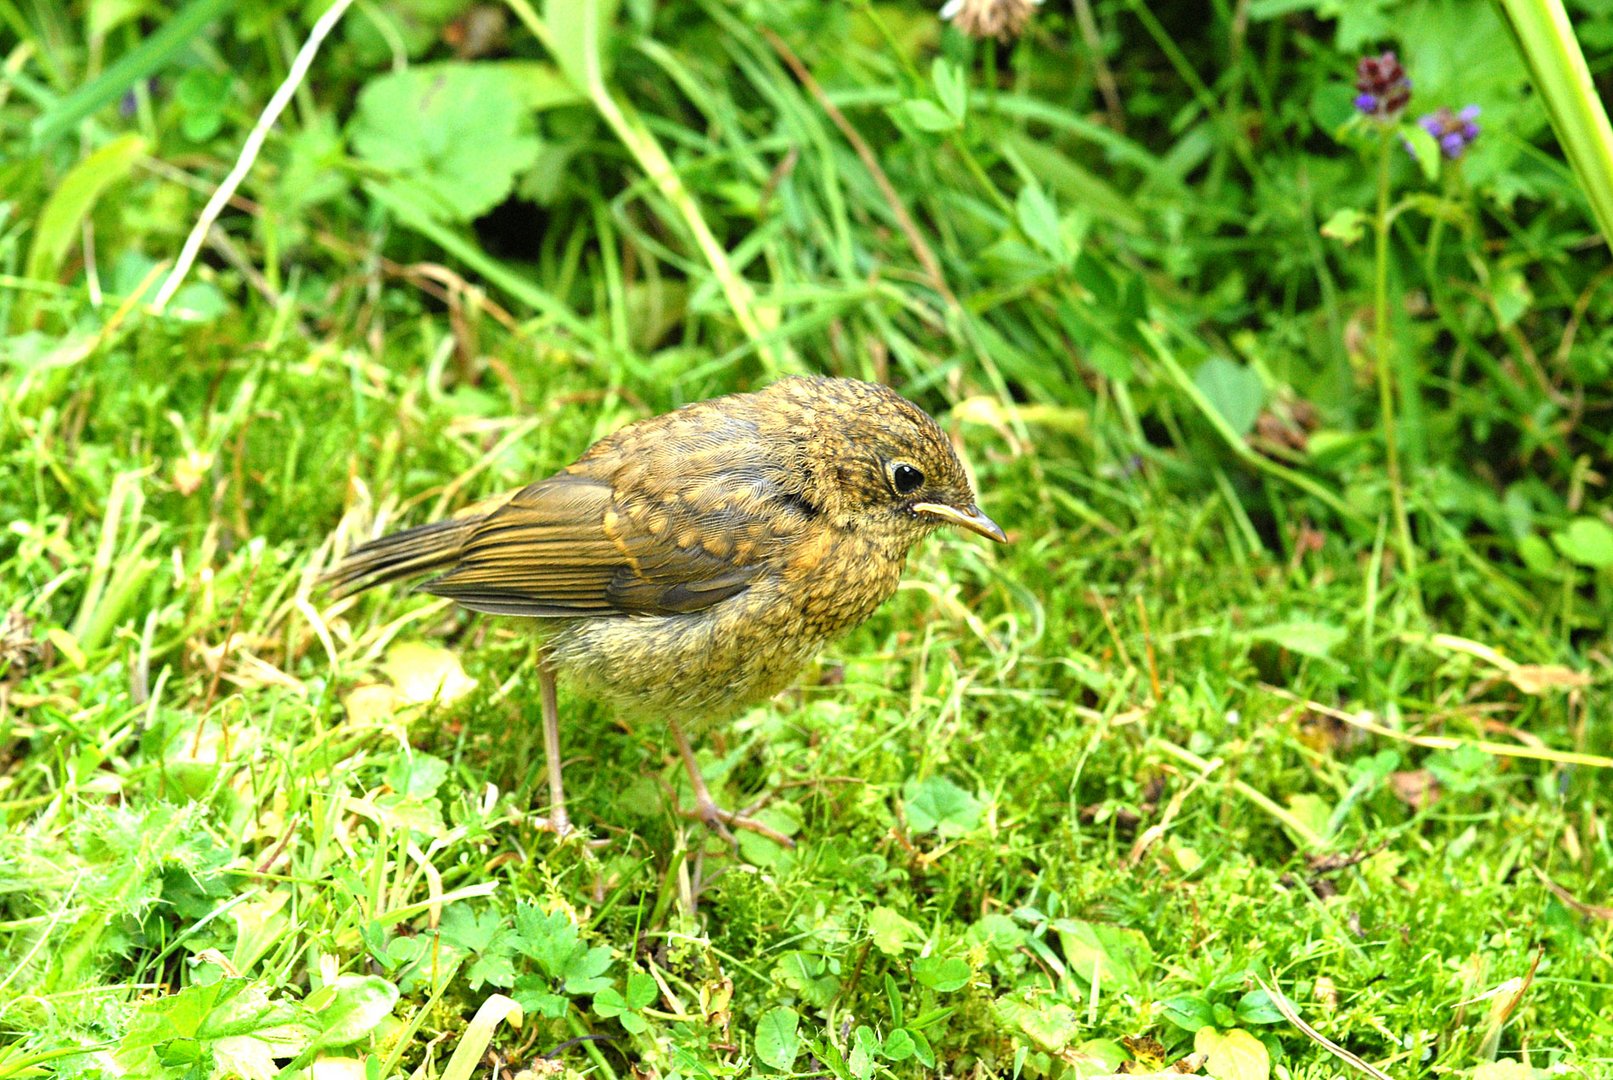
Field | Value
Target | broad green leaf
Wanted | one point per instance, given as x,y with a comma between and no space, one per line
354,1006
1256,1007
463,927
891,932
1049,1024
569,34
416,775
1039,219
1424,149
1305,636
1346,226
926,115
1190,1012
1234,390
547,937
1115,957
1095,1057
778,1040
1587,541
936,804
943,975
899,1045
457,134
951,86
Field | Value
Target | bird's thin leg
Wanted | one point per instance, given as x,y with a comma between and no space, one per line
706,808
558,821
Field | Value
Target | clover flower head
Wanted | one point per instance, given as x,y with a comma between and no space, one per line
1000,19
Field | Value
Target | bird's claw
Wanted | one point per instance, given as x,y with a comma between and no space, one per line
718,820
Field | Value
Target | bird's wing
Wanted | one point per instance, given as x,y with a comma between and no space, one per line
599,540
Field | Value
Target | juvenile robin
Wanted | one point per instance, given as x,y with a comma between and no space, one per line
690,564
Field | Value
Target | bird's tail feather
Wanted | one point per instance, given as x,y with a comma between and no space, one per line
409,553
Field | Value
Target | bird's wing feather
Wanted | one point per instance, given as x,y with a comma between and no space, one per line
574,546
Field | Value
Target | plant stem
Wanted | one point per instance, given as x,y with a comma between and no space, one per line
1380,363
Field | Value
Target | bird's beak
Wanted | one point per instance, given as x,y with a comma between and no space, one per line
966,517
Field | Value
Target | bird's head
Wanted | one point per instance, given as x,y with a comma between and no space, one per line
877,462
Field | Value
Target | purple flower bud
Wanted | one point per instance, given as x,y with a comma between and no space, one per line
1454,131
1384,88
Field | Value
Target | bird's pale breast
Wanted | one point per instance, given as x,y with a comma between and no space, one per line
704,666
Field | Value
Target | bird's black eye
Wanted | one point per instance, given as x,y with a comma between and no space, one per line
906,479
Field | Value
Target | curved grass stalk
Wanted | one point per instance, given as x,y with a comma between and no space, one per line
1558,69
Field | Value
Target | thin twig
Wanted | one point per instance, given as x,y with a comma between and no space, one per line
249,151
1365,722
1293,1017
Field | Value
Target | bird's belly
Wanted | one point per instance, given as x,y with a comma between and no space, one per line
707,665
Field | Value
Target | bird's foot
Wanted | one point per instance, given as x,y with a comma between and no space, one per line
718,820
557,822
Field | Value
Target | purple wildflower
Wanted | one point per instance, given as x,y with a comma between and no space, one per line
1454,132
1384,89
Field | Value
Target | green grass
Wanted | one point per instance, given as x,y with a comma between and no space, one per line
1201,730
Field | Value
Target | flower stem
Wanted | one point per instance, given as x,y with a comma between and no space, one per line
1381,366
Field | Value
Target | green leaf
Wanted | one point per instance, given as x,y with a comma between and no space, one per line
532,993
1536,554
778,1040
899,1045
609,1003
585,973
492,968
416,775
922,1049
1115,957
1424,149
1190,1012
1346,226
1039,220
891,932
1307,637
936,804
926,115
549,938
942,975
1049,1024
1587,541
568,34
641,990
458,134
1256,1007
1234,390
951,87
74,197
355,1006
464,928
864,1049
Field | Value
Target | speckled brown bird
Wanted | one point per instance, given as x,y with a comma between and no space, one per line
690,564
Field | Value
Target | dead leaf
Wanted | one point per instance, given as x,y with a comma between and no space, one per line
1417,788
1537,679
426,673
1233,1055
